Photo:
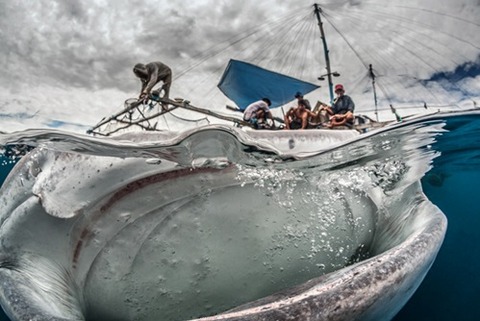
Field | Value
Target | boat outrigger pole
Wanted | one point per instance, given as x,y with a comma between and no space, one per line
318,11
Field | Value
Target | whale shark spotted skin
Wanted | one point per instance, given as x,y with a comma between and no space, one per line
86,237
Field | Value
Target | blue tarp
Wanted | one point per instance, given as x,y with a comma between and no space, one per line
244,83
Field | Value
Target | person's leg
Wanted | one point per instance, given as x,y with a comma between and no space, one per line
261,115
254,122
305,116
339,121
349,117
296,124
166,90
167,82
336,120
286,120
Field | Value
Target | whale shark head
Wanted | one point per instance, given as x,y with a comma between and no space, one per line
189,235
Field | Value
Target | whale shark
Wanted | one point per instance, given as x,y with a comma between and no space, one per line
209,226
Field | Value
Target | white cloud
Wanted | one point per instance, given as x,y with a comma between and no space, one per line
71,61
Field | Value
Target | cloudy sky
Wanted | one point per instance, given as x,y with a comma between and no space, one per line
68,63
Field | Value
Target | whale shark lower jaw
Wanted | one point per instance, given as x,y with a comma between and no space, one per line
87,237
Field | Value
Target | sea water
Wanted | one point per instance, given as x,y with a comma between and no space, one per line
450,289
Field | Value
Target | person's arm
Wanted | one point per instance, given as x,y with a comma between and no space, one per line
349,115
271,117
152,81
267,111
305,119
287,118
328,109
144,84
351,105
287,123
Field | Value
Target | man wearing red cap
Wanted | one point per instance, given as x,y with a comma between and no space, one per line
341,111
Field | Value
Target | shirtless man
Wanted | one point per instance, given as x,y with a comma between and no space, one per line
152,73
297,117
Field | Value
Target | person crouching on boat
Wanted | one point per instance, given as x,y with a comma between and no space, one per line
151,74
297,117
257,112
341,112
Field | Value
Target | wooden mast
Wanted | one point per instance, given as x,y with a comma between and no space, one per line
318,11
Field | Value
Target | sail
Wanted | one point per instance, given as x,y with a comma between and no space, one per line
245,83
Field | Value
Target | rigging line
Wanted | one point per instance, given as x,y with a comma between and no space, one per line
431,49
412,38
263,27
290,61
428,36
429,27
353,24
374,51
270,41
277,44
210,75
280,47
421,93
435,95
306,49
384,92
391,93
430,11
298,50
295,57
384,83
367,52
274,43
344,38
356,84
290,48
414,54
229,43
306,54
420,106
262,54
417,57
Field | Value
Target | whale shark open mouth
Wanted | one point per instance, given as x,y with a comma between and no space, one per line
217,229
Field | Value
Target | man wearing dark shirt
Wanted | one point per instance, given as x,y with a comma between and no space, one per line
341,112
